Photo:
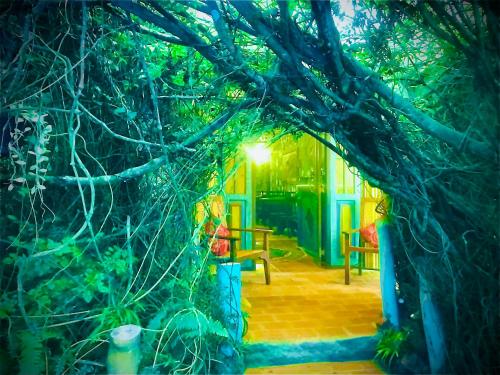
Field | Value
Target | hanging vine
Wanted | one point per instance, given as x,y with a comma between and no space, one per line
111,118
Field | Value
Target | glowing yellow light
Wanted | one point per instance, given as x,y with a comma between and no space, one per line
258,153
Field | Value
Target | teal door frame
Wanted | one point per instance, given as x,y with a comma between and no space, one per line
333,255
247,206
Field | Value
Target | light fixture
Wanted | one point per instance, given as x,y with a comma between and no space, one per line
258,153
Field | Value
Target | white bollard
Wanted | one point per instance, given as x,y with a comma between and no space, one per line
124,352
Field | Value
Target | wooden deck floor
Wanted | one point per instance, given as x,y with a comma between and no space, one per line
306,302
358,367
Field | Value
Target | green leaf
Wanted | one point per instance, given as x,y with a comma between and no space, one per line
31,362
120,110
131,115
87,295
9,260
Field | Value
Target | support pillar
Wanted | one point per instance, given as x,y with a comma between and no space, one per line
229,284
433,328
387,275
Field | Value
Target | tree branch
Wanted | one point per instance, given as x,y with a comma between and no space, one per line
452,137
157,163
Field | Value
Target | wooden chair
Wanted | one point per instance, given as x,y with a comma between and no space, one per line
348,249
262,254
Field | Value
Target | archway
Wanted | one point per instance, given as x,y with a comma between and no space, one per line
307,196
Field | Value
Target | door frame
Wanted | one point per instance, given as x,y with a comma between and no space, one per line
247,203
333,256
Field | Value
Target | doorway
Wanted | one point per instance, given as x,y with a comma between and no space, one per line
290,193
307,196
303,191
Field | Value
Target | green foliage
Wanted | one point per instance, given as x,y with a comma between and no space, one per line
195,324
32,354
88,94
391,345
83,282
245,316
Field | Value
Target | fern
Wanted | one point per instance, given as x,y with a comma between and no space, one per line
194,323
216,328
391,345
31,358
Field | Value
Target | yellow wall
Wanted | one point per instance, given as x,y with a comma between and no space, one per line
236,184
344,179
213,206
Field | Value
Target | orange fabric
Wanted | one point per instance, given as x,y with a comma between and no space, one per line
369,234
219,247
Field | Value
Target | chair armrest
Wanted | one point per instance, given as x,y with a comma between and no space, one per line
352,231
252,230
230,238
347,236
265,233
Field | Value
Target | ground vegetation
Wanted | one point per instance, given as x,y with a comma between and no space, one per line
115,116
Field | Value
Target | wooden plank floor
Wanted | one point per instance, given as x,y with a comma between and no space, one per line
306,302
359,367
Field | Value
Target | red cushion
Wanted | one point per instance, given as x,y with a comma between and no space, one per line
369,234
219,247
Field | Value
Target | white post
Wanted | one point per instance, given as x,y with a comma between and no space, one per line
124,352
